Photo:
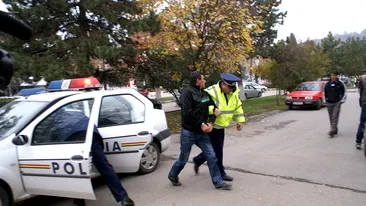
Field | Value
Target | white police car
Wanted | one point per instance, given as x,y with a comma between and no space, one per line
40,155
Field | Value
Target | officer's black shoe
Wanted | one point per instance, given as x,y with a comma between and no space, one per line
175,181
224,186
227,178
196,168
79,202
128,202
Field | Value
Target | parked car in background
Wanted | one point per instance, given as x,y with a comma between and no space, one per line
309,94
262,88
31,91
250,91
144,91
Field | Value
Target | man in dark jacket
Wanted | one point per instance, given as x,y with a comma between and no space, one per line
334,92
195,102
362,101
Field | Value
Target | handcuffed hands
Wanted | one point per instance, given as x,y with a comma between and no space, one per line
206,128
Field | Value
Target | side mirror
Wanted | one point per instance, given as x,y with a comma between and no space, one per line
20,140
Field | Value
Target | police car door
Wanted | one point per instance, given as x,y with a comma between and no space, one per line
124,129
56,158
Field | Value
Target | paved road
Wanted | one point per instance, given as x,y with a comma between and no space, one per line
172,106
284,159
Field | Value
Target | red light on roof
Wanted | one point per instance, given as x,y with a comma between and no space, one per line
82,83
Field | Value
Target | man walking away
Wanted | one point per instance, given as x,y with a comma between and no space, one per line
195,102
334,92
362,102
226,96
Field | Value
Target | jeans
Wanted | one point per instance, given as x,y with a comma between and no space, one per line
333,111
187,140
217,137
361,127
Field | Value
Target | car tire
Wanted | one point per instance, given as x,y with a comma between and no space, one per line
4,197
290,107
319,104
150,159
246,96
263,90
259,94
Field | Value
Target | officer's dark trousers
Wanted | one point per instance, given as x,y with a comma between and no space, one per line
107,172
217,137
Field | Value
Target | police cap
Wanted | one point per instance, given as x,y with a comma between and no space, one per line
230,79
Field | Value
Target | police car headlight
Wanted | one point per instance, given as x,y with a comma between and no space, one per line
288,97
308,97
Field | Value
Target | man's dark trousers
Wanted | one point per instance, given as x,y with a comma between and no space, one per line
361,127
217,137
333,111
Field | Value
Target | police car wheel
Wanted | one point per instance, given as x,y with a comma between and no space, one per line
149,159
4,198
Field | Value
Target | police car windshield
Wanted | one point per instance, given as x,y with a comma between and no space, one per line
308,87
15,115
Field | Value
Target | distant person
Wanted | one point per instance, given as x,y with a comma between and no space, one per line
195,126
334,92
362,101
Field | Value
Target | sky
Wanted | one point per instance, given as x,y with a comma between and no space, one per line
315,18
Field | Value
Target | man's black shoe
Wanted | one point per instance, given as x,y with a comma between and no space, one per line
224,186
358,146
227,178
128,202
175,181
331,134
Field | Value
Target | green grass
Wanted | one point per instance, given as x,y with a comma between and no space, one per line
164,99
262,105
251,107
5,101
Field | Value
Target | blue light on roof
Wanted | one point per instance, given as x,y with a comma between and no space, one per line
31,91
55,85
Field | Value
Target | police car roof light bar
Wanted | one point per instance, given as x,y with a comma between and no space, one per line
74,84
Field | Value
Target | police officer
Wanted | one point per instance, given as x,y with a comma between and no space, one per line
104,168
226,97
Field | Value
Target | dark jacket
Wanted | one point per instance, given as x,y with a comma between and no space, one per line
362,87
194,103
334,91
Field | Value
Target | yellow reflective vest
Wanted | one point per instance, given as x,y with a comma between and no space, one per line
229,110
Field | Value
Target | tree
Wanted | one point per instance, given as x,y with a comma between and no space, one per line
268,13
352,61
330,45
294,63
209,34
69,35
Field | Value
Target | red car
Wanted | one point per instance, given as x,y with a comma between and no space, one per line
307,94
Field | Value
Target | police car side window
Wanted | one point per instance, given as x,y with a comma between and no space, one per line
121,110
67,124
